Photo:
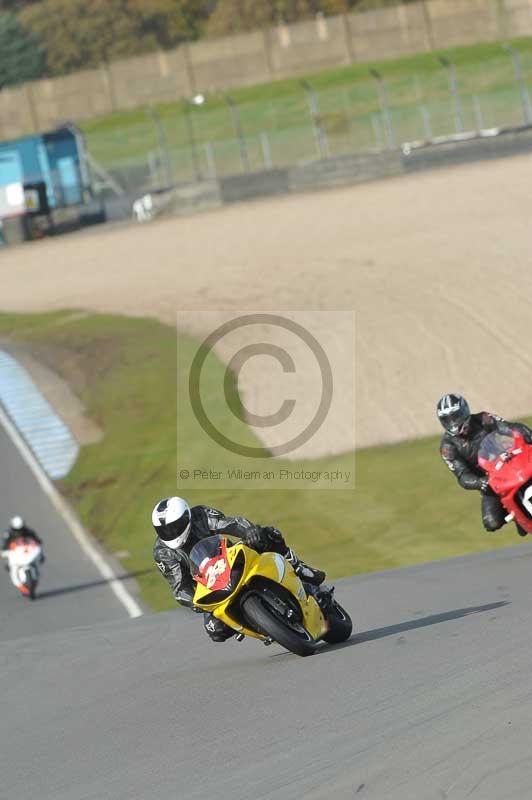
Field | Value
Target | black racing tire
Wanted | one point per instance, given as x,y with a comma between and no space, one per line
264,620
340,625
31,583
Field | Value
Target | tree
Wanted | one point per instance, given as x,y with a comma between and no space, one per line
15,5
21,58
171,21
235,16
80,34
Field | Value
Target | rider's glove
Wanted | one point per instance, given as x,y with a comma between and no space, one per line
256,539
273,535
484,485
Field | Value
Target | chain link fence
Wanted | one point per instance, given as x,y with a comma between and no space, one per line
217,137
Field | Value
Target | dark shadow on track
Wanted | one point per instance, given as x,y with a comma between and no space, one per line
410,625
81,587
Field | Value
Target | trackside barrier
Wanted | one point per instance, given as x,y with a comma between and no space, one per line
46,434
345,170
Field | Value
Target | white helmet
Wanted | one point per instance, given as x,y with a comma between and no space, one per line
16,524
171,520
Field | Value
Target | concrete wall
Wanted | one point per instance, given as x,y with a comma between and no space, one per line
257,57
233,61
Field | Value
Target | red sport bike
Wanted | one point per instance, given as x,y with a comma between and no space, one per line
507,460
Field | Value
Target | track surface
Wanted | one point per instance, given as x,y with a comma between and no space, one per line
72,592
430,699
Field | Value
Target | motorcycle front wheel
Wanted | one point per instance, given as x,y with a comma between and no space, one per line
340,625
264,619
31,584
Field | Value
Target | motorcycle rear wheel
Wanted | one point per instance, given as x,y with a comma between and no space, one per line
264,620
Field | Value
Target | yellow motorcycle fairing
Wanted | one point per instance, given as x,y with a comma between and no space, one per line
269,566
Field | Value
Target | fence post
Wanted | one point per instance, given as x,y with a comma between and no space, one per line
477,109
321,137
237,119
523,91
211,161
188,104
266,150
152,166
377,133
453,87
427,127
385,107
162,144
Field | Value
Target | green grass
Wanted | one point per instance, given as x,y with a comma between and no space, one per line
406,507
419,97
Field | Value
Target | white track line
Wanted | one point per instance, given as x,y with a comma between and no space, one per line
79,533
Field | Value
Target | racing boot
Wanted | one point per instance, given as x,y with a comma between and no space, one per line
307,574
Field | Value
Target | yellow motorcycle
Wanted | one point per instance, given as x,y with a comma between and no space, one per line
260,595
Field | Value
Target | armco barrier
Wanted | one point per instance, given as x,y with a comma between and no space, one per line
496,144
344,170
266,183
341,171
194,197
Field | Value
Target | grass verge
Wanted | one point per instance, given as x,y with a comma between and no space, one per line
406,507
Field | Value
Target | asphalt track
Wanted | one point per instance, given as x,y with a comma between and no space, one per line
72,591
431,698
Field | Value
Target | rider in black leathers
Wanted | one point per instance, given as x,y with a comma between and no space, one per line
459,448
200,522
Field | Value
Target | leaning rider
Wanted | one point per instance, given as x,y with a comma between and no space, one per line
459,448
179,527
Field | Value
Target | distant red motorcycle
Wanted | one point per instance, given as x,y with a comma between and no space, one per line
507,460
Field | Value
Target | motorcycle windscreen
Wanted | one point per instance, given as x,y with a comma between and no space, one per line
27,546
209,563
493,446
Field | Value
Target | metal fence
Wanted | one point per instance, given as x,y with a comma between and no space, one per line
217,137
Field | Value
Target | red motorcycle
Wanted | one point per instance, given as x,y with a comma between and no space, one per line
507,460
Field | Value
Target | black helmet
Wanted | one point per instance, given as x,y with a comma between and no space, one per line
453,413
172,520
